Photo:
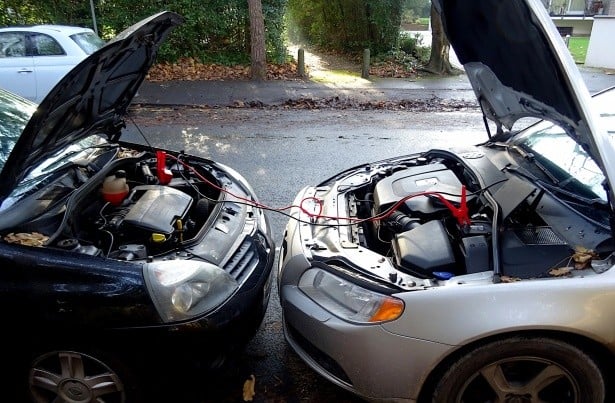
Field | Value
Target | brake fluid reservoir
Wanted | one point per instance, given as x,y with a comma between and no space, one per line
115,189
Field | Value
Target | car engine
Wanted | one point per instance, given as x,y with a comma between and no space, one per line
152,212
127,209
417,214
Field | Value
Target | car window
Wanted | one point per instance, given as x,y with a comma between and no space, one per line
14,114
12,44
88,41
45,45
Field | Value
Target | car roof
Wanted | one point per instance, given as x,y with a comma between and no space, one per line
48,28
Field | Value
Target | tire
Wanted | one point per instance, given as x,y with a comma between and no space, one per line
522,370
76,377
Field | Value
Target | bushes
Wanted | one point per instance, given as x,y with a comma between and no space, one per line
412,45
215,31
346,25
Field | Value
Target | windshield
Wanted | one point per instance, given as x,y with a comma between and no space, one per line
15,112
569,166
79,153
566,160
88,41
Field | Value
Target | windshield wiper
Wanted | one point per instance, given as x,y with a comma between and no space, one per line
60,162
556,188
63,160
528,156
49,173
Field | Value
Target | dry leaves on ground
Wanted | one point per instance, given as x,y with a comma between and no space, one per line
391,69
190,69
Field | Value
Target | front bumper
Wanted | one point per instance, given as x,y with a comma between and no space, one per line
208,340
364,359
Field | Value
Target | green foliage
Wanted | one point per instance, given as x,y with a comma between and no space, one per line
415,12
408,43
413,46
214,31
418,8
346,25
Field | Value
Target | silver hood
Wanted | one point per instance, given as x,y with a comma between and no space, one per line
519,67
91,99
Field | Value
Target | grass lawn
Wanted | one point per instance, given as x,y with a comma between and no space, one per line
578,48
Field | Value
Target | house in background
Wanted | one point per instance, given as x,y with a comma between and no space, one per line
600,51
575,17
593,18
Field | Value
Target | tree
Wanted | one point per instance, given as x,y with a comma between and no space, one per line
258,56
439,62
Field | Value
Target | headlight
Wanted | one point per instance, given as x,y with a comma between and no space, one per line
182,289
348,300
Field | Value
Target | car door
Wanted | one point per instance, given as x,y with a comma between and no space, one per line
16,66
51,62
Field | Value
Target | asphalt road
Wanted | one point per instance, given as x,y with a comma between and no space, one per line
279,151
227,93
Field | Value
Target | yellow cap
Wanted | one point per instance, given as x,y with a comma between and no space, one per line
158,237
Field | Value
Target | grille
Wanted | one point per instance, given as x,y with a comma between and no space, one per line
243,262
539,236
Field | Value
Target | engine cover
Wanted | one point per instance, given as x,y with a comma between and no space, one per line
156,208
431,177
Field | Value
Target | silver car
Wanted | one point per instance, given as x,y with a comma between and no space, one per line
481,274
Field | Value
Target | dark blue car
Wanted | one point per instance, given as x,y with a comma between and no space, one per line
116,256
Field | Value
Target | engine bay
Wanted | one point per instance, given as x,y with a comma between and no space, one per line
434,217
124,204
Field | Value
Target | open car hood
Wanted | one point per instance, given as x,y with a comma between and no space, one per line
519,67
91,99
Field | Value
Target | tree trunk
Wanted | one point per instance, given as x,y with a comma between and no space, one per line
439,62
257,41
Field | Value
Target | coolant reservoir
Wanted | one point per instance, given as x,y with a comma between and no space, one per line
115,189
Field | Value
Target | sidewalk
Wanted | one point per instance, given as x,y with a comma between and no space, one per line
228,93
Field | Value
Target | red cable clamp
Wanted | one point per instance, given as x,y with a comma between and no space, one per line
164,174
461,212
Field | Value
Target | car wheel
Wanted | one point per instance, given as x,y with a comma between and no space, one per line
522,370
71,377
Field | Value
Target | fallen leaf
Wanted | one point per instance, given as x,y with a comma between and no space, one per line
583,257
29,239
248,389
559,272
508,279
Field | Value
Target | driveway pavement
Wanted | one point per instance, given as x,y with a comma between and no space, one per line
227,93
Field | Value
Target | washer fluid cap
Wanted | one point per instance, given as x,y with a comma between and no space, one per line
442,275
115,189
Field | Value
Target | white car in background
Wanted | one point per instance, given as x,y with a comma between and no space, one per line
34,58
